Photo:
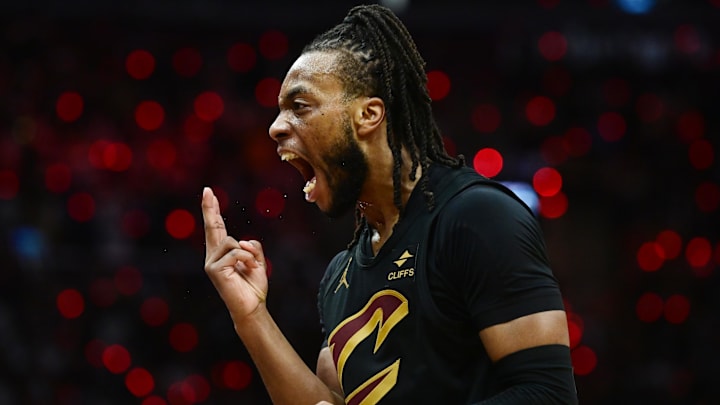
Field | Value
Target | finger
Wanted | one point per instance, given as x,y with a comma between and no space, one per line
227,244
255,248
231,258
215,230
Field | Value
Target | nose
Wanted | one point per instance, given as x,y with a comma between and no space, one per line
279,128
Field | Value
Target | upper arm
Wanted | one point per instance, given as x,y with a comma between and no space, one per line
513,297
538,329
327,373
493,260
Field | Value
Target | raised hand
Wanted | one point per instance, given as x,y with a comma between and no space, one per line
237,269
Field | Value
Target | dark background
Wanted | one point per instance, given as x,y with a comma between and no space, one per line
101,304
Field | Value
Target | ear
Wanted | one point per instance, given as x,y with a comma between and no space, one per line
370,115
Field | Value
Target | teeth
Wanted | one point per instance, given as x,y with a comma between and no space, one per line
288,156
309,186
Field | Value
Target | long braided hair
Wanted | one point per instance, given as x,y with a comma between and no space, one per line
378,58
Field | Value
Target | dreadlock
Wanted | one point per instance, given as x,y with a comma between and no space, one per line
377,57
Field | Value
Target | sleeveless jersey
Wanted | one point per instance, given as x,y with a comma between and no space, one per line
389,341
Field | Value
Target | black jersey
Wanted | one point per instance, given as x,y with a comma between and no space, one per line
403,326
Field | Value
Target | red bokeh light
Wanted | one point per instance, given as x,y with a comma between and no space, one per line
181,393
687,40
139,382
69,106
128,280
547,181
140,64
611,126
677,309
209,106
197,130
576,327
222,196
486,118
701,154
58,177
9,184
649,307
690,126
707,196
273,45
103,292
161,154
438,84
488,162
670,243
187,62
96,152
649,107
698,252
183,337
540,111
555,206
154,400
81,207
552,46
200,387
241,57
577,141
267,91
93,352
154,311
584,360
116,358
449,145
650,256
149,115
616,92
180,223
117,156
236,375
70,303
270,203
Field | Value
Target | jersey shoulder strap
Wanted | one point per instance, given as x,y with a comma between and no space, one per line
458,180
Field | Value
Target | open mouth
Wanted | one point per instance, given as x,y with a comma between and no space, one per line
306,171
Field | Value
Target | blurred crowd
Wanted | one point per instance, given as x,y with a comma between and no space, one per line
111,125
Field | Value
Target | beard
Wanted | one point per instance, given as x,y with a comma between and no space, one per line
350,171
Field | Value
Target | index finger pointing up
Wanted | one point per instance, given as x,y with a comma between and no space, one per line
215,230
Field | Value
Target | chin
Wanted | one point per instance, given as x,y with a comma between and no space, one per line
335,211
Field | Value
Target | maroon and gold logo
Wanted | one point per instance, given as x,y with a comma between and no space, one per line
383,312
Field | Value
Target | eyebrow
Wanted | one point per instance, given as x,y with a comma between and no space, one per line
294,91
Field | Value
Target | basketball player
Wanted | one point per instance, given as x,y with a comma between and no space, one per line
444,294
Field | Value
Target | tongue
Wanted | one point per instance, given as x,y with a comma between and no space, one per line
308,190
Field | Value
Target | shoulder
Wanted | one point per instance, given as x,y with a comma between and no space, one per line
486,202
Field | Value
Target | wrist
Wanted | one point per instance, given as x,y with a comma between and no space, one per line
251,321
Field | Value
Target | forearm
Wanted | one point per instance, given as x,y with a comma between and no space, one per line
286,376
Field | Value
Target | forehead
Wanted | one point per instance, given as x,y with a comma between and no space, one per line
313,72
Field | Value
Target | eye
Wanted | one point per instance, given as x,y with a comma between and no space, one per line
299,106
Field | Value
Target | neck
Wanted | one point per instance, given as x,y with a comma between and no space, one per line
380,210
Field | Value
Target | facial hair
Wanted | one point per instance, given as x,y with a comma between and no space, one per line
351,168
